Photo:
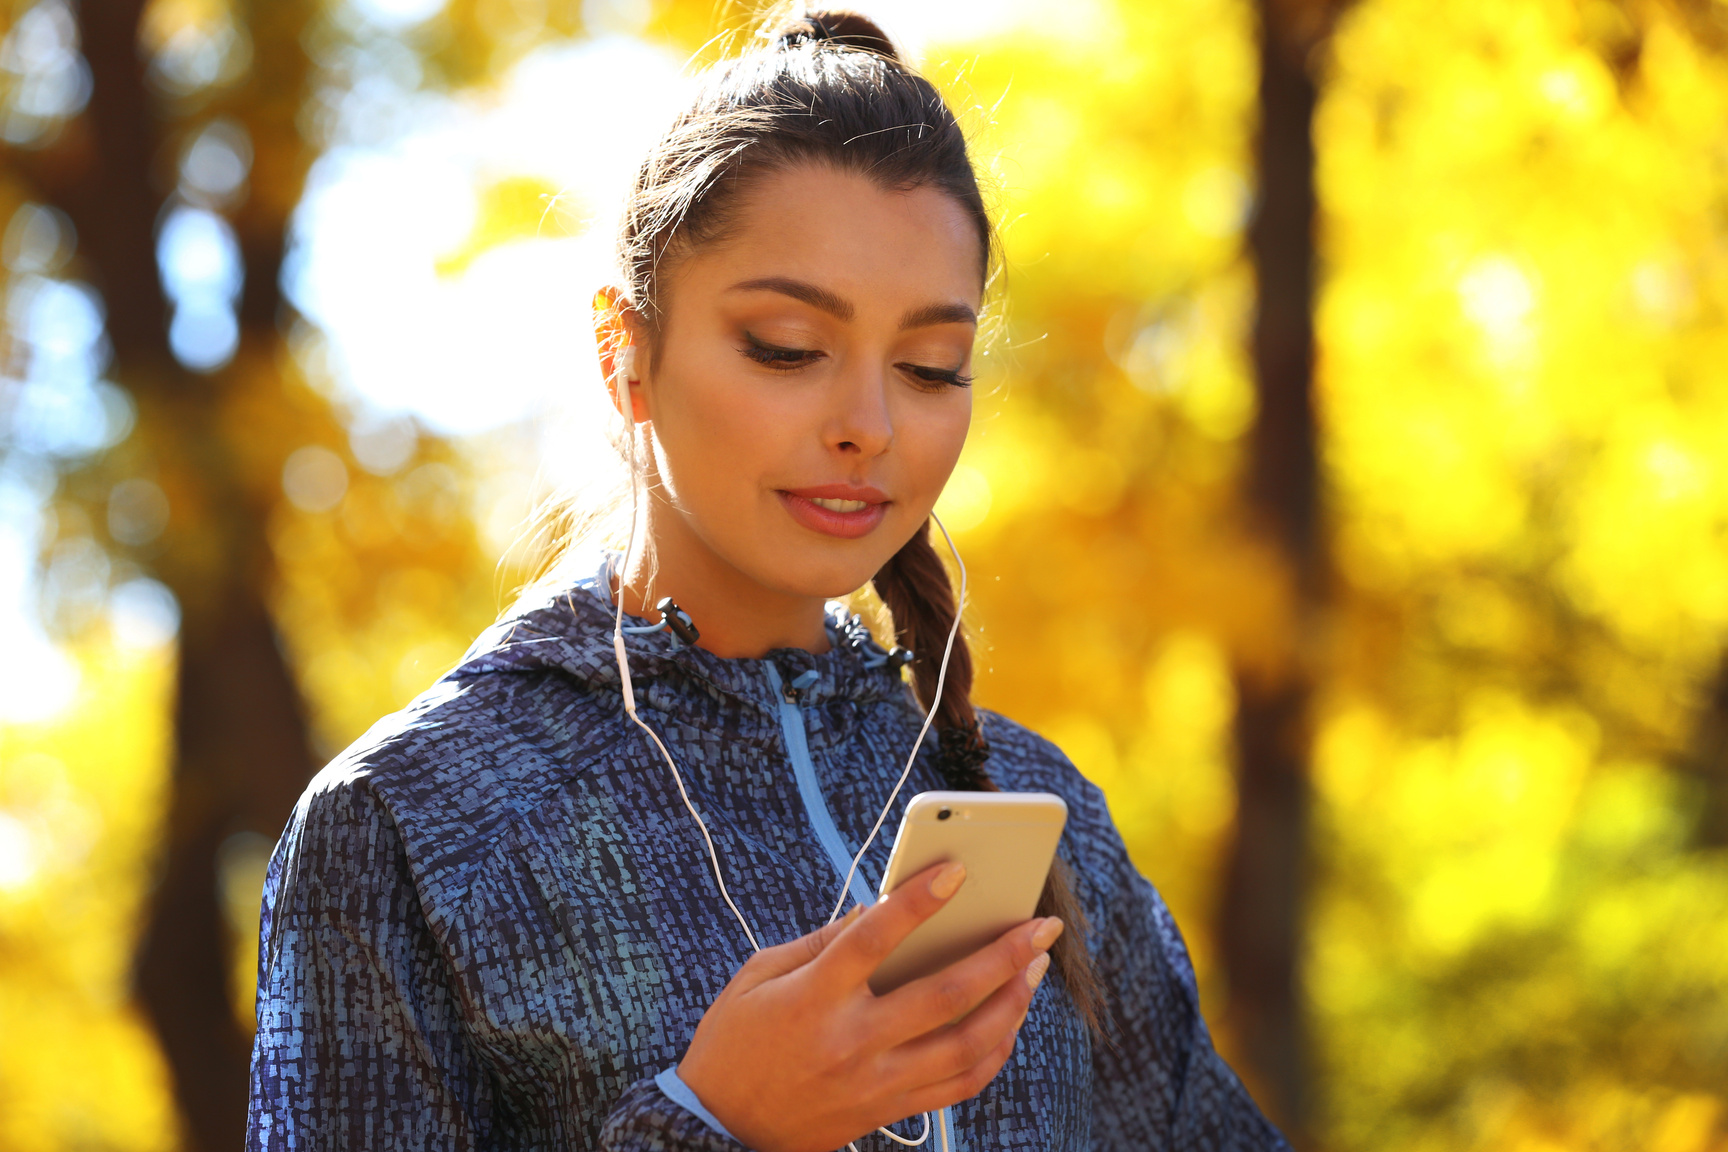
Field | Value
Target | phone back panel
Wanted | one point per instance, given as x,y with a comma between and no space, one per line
1006,840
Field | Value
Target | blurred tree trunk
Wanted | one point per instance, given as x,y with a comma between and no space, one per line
1265,876
1710,762
241,751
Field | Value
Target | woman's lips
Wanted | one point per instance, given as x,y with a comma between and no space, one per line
855,511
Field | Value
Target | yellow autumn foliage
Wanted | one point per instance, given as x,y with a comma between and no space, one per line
1518,931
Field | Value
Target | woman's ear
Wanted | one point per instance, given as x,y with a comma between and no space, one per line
621,359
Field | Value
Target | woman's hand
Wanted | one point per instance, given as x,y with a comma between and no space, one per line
796,1054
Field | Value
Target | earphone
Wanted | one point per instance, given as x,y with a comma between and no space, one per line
626,367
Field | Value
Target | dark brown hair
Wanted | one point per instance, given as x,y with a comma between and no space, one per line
831,90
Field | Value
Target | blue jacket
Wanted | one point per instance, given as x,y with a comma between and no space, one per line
492,924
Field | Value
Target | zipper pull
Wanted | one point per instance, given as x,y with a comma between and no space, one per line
804,680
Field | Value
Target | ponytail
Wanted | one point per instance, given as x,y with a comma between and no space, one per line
915,587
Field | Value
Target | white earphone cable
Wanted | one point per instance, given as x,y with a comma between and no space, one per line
629,690
922,1136
929,718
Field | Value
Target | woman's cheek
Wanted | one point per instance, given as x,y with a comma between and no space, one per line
941,437
731,432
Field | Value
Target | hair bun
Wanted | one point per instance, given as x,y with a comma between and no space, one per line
846,29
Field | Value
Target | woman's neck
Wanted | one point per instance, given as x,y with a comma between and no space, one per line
735,614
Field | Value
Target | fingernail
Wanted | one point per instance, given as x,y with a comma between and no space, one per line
1035,971
947,882
1046,933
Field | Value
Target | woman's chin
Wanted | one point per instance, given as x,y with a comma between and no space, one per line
824,572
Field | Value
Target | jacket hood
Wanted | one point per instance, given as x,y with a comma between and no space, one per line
568,629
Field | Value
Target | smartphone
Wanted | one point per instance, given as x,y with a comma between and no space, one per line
1006,840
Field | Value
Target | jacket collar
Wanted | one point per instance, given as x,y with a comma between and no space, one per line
568,628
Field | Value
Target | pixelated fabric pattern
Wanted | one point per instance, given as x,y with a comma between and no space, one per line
491,922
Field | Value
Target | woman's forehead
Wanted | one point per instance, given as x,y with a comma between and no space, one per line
820,225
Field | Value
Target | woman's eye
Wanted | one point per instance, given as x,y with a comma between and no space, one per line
788,359
928,375
776,357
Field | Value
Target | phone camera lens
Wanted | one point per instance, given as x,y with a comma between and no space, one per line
944,813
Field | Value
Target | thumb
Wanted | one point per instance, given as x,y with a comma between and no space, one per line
782,959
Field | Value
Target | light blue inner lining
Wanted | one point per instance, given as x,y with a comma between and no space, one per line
679,1093
798,749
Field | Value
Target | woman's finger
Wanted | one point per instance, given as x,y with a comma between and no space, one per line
932,1001
966,1083
794,954
849,960
953,1049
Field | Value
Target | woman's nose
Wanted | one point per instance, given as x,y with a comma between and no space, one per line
861,422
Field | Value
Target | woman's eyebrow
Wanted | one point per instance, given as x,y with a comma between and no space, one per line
815,296
933,314
841,308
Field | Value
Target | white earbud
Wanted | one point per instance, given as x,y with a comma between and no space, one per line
627,363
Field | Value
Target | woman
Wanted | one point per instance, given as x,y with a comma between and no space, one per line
524,912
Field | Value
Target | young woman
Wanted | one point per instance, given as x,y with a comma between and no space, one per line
496,921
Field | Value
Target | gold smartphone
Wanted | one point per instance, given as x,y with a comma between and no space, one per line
1006,840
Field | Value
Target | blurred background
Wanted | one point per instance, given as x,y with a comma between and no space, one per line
1348,496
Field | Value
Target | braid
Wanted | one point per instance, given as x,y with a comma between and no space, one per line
915,587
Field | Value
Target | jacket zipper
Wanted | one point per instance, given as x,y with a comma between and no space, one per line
815,806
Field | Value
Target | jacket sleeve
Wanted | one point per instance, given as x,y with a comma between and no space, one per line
360,1041
648,1119
1160,1084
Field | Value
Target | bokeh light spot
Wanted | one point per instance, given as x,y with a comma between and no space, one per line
314,479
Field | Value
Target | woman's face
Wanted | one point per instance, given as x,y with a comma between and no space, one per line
809,397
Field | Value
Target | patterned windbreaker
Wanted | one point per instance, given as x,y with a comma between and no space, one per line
491,923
